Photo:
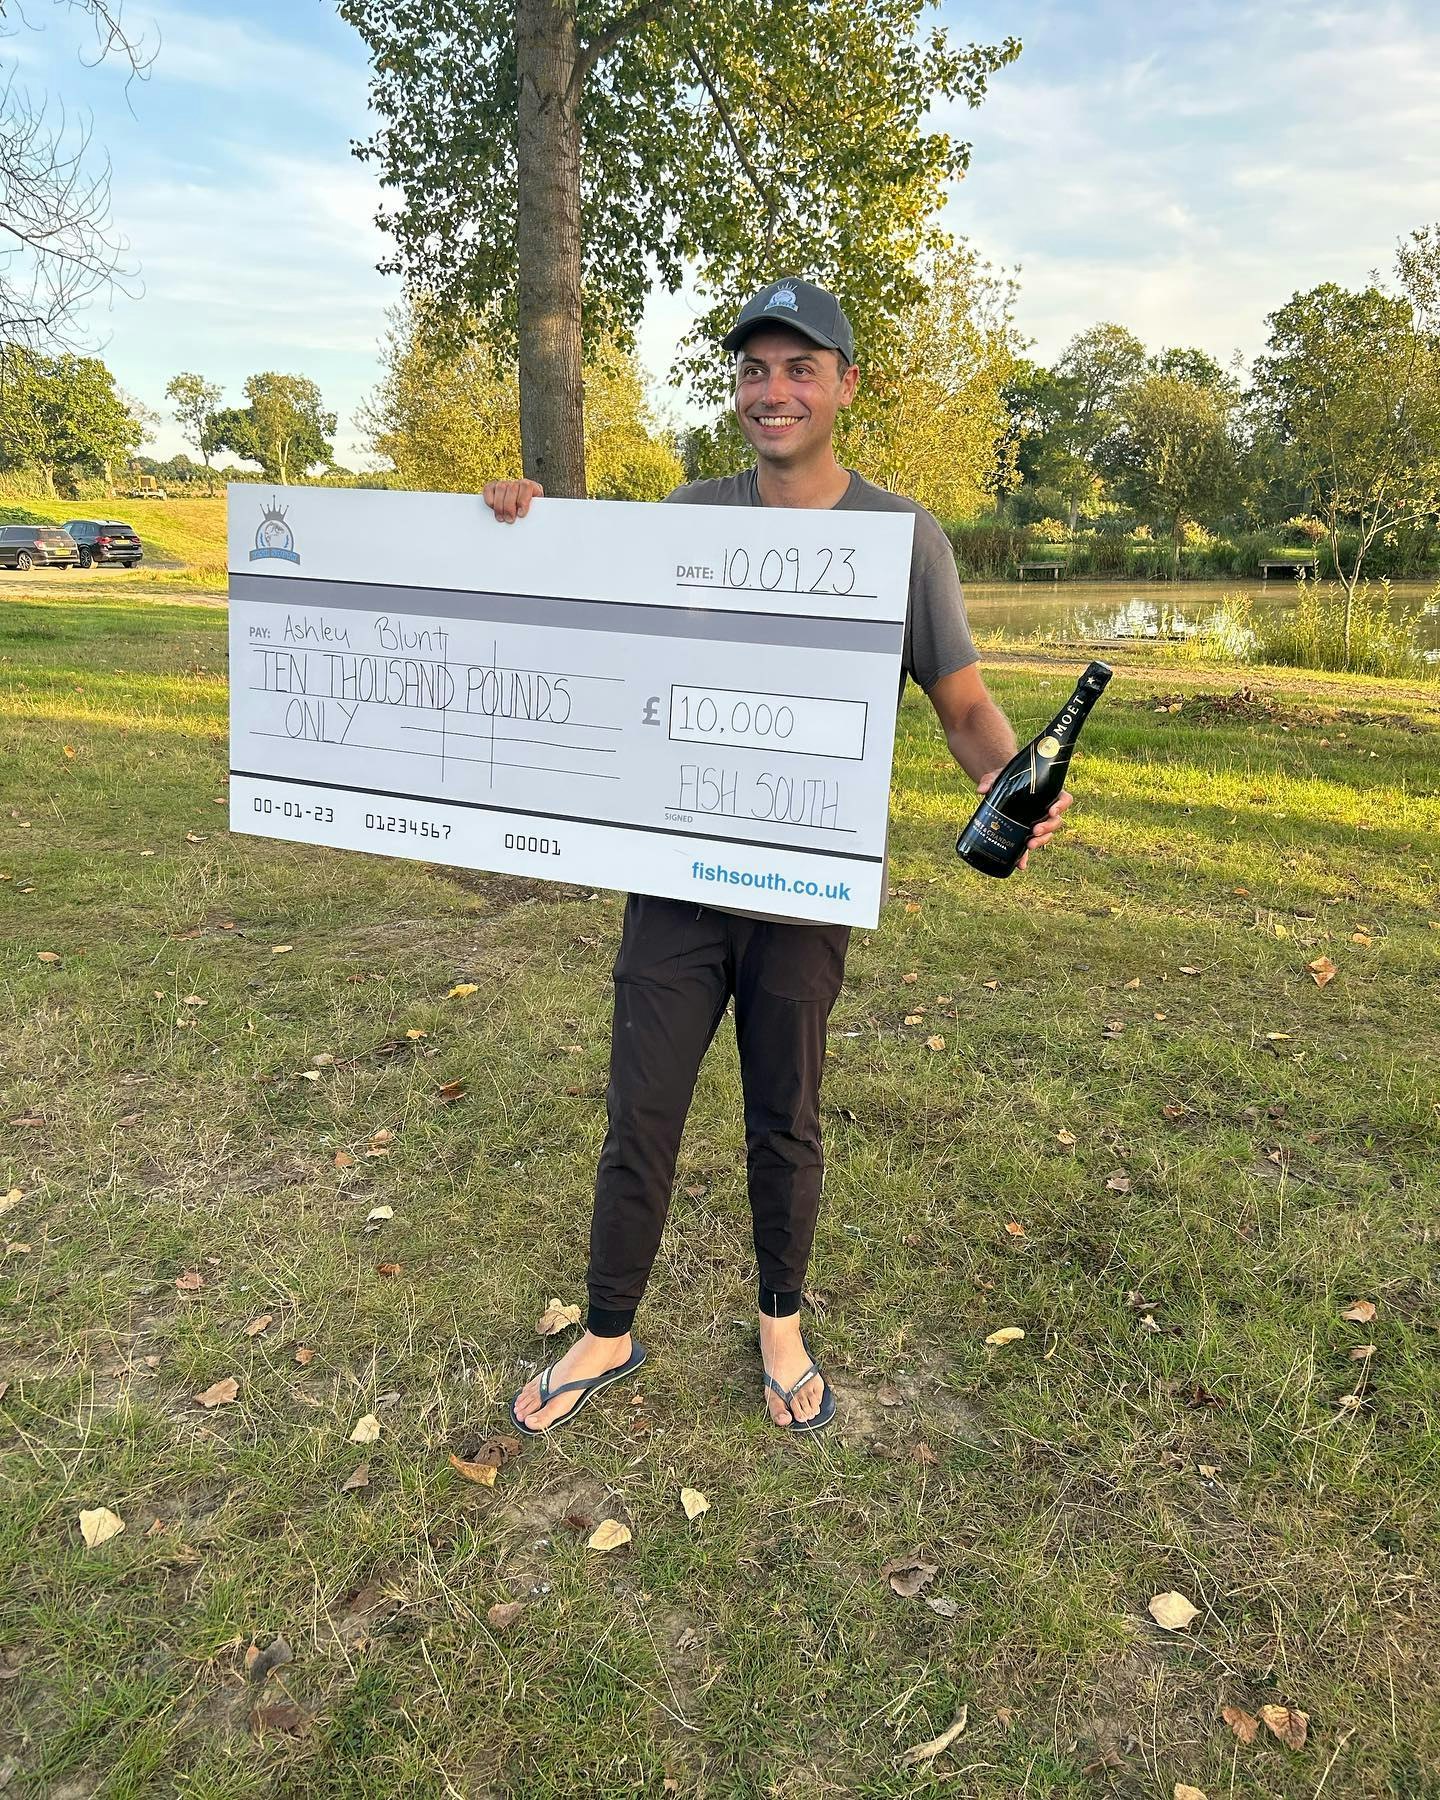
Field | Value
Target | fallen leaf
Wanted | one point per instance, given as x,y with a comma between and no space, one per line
452,1090
309,1074
262,1323
942,1604
98,1525
1119,1182
557,1317
284,1716
1172,1110
10,1200
1362,1353
696,1191
1359,1312
259,1663
1007,1334
1188,969
609,1534
922,1753
503,1614
992,985
911,978
195,1000
383,1136
1361,937
47,956
1245,1725
344,1160
304,1355
366,1430
4,1389
935,1043
1015,1228
912,906
1133,984
914,1018
1322,970
888,1395
1067,1138
190,1282
908,1574
219,1393
924,1455
1183,1791
281,949
1287,1723
358,1478
461,989
128,1121
68,749
1172,1611
481,1473
388,1269
377,1214
1114,1028
415,1035
694,1502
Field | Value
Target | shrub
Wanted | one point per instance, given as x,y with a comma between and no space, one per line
1384,636
990,552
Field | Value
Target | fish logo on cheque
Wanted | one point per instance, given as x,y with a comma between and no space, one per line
273,537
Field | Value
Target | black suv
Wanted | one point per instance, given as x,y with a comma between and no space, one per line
37,546
105,541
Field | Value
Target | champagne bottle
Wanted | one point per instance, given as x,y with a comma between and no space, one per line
1029,784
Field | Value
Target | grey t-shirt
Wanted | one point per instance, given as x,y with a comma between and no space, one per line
937,633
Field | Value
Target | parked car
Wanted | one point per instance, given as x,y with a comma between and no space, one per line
37,546
105,541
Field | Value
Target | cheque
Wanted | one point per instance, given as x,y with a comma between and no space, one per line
689,701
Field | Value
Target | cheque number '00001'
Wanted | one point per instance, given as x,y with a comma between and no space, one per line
537,846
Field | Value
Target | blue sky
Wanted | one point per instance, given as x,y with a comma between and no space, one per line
1181,170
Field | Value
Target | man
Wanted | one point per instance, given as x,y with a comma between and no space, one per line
680,963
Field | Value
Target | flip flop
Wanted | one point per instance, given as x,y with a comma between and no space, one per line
584,1388
827,1403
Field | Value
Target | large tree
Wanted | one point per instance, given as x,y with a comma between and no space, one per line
62,412
285,427
1171,455
938,427
58,246
555,157
1074,409
447,416
196,402
1350,387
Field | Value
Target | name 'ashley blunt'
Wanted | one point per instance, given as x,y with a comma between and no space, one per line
1029,784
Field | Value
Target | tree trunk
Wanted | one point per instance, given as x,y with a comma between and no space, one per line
1074,515
1177,532
552,438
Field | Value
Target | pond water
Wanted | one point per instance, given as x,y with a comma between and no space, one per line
1089,612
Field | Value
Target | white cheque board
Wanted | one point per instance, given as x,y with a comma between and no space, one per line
691,701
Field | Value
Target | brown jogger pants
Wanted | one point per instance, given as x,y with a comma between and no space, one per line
678,966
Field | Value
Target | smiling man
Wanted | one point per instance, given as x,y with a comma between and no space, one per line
680,964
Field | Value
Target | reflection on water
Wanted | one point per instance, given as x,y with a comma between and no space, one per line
1099,611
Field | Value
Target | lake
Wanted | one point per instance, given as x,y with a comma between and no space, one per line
1097,612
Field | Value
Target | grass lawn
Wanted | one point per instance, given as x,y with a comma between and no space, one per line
1150,1140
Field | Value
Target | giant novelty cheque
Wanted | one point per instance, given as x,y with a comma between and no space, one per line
690,701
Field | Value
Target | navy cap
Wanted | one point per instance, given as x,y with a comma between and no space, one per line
812,311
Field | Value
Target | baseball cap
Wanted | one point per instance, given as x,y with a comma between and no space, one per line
812,311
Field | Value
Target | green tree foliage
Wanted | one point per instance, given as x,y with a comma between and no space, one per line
62,412
1350,387
1170,454
1074,410
447,417
937,429
195,402
554,158
284,428
1197,367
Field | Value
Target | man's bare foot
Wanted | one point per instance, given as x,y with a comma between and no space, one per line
587,1357
783,1352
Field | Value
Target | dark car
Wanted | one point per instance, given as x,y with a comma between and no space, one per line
105,541
37,547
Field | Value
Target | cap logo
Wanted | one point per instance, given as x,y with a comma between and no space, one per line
783,294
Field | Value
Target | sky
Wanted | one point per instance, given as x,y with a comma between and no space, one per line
1179,170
